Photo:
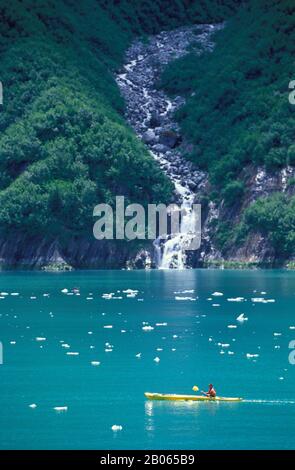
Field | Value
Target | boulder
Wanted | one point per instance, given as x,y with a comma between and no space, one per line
169,138
155,120
149,137
160,148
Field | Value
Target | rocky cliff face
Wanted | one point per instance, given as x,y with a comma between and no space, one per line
256,250
19,252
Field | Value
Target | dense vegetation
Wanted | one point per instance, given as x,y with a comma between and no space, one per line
274,217
64,145
237,111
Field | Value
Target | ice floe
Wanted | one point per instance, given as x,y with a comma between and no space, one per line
116,427
148,328
242,318
262,300
60,408
185,298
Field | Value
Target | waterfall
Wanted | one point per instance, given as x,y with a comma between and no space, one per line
171,252
137,82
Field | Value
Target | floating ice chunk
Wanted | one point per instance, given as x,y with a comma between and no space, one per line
185,298
40,338
4,294
95,363
89,298
249,356
173,349
12,342
291,327
157,359
217,294
262,300
281,378
108,326
33,405
130,291
175,336
123,331
236,299
108,350
90,332
60,408
33,297
224,345
46,295
138,355
70,353
161,324
148,328
210,339
232,326
242,318
222,352
108,296
65,291
14,294
116,427
230,353
159,349
277,347
65,345
277,334
215,305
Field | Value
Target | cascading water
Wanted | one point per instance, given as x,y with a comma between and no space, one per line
172,250
150,113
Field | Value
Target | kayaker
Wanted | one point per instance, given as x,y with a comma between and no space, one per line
211,392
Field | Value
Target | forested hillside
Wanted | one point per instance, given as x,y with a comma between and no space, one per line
238,117
64,145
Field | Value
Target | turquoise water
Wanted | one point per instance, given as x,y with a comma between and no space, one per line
39,371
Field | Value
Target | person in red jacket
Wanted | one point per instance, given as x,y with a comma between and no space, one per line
211,392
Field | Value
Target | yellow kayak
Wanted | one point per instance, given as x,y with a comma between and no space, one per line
174,397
